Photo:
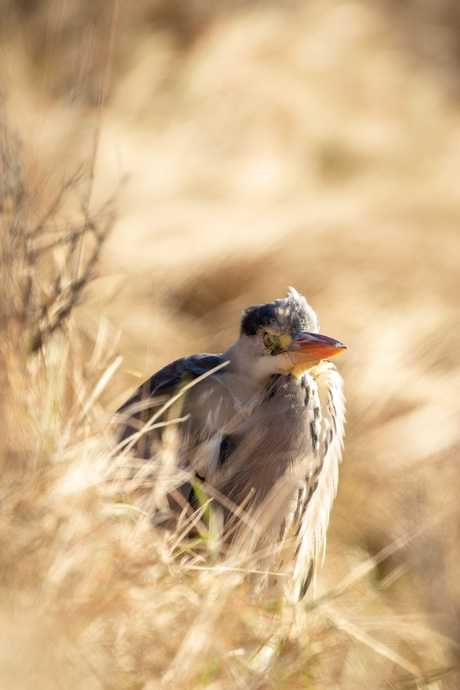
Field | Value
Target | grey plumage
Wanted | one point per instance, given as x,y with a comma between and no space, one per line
263,432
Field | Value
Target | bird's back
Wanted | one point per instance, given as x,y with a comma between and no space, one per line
149,401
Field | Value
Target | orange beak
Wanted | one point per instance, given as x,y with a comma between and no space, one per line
313,346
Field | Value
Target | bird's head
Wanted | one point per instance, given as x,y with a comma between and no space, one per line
281,337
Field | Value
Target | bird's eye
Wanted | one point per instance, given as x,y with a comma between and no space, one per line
271,341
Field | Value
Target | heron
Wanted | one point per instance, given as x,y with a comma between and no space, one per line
261,432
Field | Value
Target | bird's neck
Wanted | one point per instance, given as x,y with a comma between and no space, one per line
242,381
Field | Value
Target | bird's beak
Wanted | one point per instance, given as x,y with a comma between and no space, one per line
309,347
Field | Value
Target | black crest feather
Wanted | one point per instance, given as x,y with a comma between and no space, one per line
283,316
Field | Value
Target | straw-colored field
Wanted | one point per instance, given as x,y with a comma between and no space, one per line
238,150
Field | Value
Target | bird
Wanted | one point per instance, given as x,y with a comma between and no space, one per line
258,432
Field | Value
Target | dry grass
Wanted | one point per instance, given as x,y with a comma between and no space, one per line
304,145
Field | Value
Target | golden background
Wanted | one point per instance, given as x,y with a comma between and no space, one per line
249,147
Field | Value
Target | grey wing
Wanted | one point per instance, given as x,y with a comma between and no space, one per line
281,463
263,463
262,467
145,408
201,409
207,411
266,444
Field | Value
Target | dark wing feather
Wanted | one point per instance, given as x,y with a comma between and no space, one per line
154,392
166,381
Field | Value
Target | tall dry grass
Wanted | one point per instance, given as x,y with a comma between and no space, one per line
300,145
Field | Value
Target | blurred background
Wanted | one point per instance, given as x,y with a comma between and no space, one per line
257,145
